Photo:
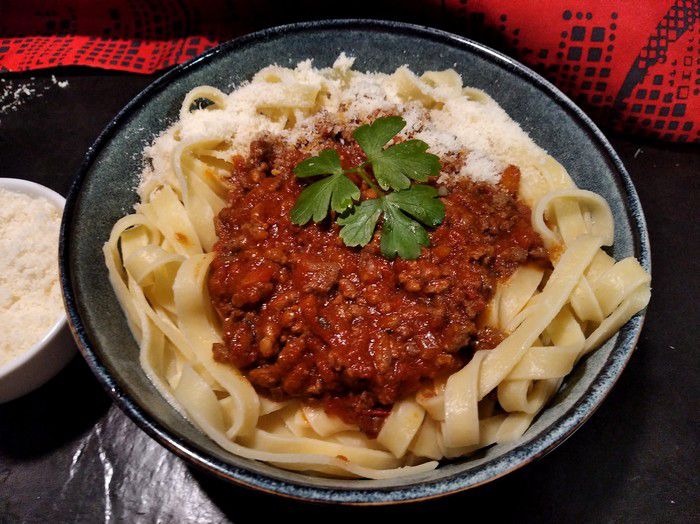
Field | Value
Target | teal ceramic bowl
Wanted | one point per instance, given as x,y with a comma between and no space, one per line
103,191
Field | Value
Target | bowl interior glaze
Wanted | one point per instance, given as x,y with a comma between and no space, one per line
103,192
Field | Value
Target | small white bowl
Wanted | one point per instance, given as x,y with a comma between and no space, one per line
56,348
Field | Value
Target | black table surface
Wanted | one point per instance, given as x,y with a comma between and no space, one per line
68,454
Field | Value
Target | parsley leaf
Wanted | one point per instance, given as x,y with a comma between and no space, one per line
401,235
402,161
358,224
337,190
394,166
326,163
421,203
373,137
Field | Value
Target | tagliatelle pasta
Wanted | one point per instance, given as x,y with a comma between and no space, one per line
159,257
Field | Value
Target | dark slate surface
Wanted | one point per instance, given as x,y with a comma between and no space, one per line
68,455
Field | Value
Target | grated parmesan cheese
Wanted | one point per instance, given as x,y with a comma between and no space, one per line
30,298
473,136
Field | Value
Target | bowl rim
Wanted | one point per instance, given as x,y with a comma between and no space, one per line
548,439
29,188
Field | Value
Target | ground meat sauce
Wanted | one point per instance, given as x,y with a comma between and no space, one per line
306,316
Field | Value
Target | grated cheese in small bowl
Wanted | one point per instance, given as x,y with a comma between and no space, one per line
33,345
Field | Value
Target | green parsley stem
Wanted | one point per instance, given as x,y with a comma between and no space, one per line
360,170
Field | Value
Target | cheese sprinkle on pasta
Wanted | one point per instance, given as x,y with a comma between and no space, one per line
468,130
30,298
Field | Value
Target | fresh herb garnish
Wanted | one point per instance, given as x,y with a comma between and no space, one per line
405,207
394,165
336,189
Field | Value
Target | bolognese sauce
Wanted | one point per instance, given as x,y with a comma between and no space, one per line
305,316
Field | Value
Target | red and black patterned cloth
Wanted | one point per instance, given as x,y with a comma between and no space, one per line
633,64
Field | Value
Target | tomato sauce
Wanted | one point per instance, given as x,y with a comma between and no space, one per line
305,316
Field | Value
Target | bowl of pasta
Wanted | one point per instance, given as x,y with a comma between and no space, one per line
355,261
